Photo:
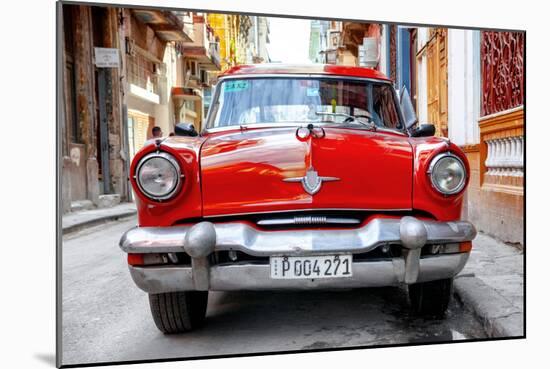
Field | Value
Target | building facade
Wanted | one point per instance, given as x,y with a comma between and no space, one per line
124,72
200,60
345,43
151,70
469,84
257,41
93,136
128,70
498,156
243,39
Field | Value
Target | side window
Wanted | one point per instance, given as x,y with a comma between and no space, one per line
383,106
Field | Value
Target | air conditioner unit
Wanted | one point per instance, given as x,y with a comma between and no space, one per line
205,80
193,70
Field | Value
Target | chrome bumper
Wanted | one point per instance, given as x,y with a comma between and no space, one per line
201,239
257,277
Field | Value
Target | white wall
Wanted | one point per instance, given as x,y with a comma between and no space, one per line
457,83
463,82
140,105
472,134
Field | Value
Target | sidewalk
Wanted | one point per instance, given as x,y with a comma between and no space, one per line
72,222
491,285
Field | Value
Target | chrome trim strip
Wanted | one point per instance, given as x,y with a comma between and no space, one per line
257,277
304,210
244,237
244,127
275,125
308,219
302,75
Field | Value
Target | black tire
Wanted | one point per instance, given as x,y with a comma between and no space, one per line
178,312
431,299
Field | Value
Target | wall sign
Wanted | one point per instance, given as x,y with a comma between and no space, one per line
106,57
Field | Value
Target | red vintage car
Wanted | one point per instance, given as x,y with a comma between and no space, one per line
304,177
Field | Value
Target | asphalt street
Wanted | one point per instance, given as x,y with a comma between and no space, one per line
106,317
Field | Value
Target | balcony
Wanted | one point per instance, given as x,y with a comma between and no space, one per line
204,48
166,24
502,147
143,78
186,18
505,156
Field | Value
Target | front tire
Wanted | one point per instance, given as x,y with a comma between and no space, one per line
178,312
431,298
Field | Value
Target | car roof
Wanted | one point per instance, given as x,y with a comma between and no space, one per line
317,69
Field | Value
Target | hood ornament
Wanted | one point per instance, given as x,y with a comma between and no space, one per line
310,130
311,181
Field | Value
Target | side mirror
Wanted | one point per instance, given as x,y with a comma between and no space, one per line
185,129
424,130
407,108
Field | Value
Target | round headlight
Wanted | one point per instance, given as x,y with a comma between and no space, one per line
447,173
158,176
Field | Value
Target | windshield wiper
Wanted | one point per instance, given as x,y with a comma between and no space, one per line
350,118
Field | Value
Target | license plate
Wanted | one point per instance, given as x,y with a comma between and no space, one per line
310,267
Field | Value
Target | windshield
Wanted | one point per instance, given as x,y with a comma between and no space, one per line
303,100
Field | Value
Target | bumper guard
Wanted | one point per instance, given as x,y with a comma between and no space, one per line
201,239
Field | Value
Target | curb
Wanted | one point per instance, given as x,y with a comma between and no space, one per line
498,316
97,220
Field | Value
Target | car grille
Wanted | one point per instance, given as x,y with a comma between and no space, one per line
308,220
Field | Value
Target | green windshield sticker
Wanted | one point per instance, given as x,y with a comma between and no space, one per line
312,91
232,86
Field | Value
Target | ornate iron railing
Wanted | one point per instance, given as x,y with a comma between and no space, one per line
502,63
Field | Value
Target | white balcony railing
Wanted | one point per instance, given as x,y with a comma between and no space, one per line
214,50
142,73
505,156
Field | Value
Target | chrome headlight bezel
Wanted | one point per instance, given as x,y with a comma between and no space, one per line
174,190
432,168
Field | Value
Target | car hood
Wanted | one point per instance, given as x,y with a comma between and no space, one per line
260,170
